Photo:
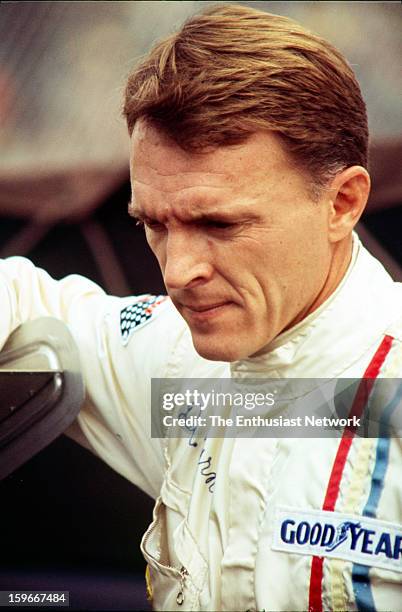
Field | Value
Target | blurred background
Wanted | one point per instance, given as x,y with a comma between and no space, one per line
67,521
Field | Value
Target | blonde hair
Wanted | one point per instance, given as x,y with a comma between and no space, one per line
233,70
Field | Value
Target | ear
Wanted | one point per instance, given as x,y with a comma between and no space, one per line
349,193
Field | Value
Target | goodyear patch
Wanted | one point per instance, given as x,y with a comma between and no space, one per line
139,313
359,539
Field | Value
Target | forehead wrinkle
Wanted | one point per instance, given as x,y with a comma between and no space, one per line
180,205
181,179
187,172
178,189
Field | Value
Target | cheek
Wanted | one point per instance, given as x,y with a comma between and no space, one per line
277,270
304,245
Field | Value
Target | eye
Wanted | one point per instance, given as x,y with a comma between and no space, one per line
153,225
218,225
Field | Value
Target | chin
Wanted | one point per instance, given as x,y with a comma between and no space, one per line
216,350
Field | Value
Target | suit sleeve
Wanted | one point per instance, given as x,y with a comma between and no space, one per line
119,355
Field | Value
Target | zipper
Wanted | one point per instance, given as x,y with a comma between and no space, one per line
180,594
181,574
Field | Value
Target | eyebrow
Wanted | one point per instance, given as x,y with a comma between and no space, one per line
133,210
227,215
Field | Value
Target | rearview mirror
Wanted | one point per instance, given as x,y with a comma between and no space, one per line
41,390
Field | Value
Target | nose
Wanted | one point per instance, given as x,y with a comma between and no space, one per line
186,262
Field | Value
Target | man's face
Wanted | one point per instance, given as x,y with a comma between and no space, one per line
243,248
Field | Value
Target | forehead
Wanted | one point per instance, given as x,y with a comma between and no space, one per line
158,161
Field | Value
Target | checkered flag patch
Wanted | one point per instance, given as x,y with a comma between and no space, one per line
138,314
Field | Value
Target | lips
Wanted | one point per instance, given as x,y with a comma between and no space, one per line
200,314
204,307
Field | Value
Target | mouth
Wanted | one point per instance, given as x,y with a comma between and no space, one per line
201,312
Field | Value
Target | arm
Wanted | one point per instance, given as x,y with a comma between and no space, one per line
116,369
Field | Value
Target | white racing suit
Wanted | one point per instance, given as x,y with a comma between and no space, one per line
242,524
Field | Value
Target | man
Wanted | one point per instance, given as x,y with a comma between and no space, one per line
249,173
